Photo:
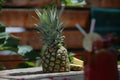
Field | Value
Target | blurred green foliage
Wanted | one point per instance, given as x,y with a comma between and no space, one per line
74,2
1,3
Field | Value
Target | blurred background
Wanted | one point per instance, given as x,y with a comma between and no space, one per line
18,18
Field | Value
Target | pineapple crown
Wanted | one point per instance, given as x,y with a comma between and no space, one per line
49,26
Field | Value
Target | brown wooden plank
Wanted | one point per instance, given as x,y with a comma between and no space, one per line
73,39
71,17
24,17
41,3
13,17
10,61
103,3
19,3
29,38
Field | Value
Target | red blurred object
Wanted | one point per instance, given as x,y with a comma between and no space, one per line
101,63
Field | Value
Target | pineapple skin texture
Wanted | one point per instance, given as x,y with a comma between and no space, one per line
56,60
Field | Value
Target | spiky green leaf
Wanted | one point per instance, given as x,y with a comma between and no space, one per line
49,26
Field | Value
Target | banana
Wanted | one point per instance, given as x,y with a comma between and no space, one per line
77,61
77,64
75,67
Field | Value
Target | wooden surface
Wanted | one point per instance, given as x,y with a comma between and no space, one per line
36,74
9,61
24,18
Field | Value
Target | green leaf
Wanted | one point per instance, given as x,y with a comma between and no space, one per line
74,2
25,65
3,35
32,55
9,48
30,63
22,49
2,41
1,3
119,50
12,42
2,28
70,56
49,26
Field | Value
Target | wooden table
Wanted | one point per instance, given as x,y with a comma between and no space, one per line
36,74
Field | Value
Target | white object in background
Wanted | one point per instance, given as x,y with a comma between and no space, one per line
80,29
15,29
92,26
7,52
74,1
82,2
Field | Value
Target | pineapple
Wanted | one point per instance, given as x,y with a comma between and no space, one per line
54,54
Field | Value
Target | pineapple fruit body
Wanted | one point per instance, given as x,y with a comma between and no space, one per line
55,60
